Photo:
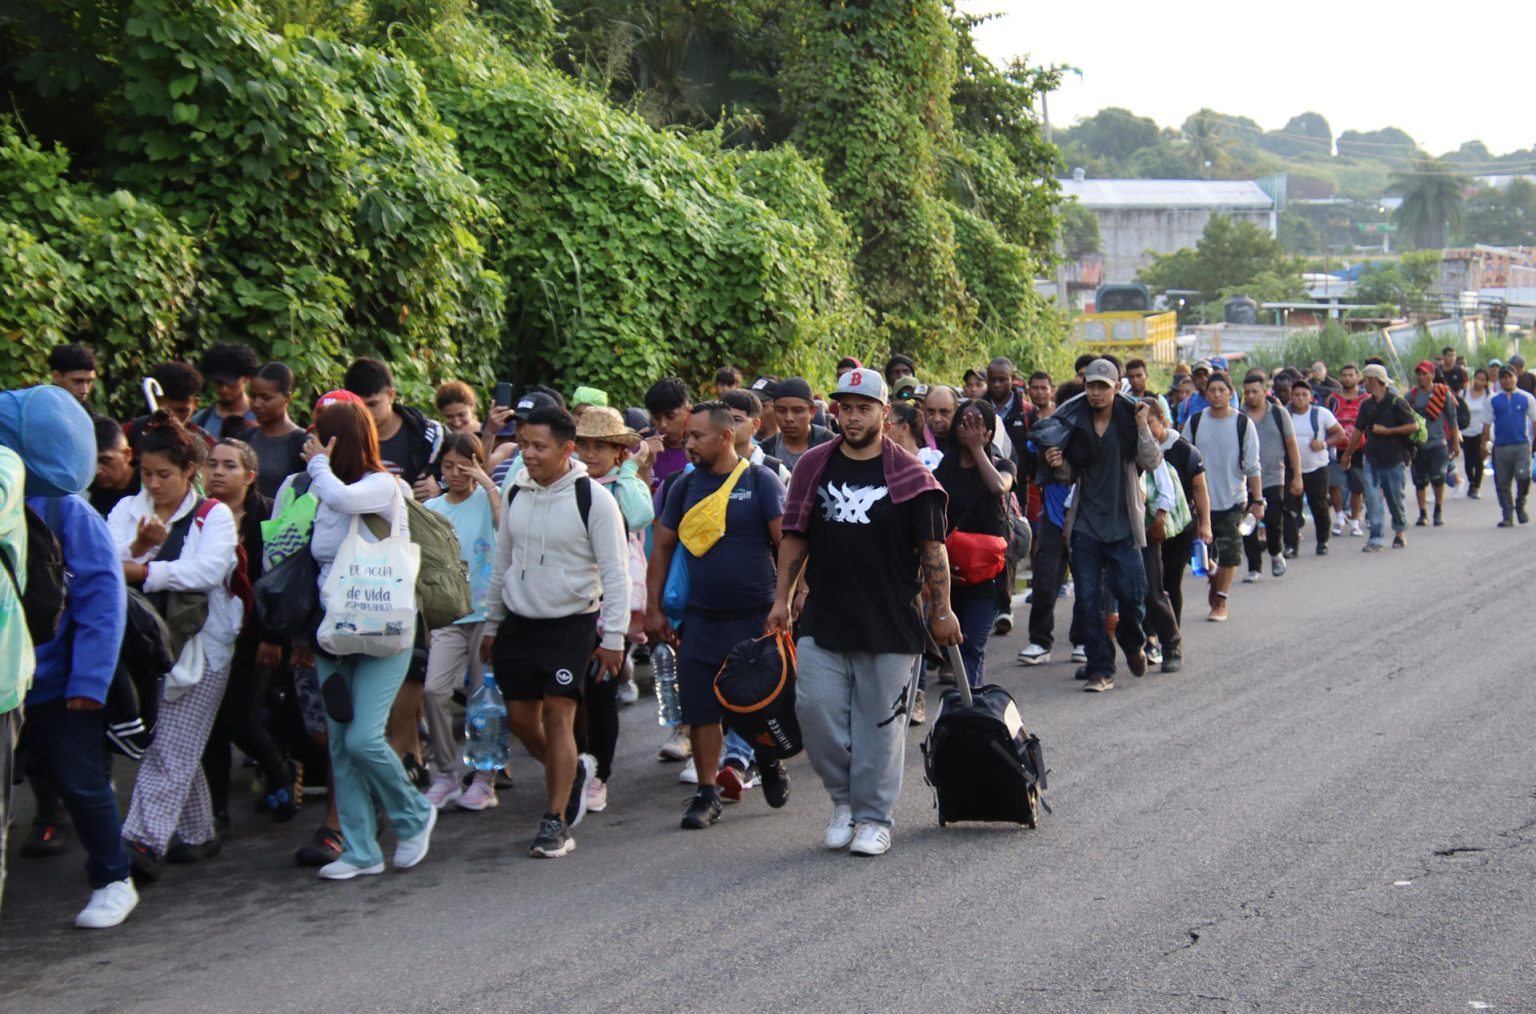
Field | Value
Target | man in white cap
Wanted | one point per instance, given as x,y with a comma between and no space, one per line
864,524
1110,446
1383,426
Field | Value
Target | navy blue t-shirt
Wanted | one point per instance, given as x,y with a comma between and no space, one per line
738,574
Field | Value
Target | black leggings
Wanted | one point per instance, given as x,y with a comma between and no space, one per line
239,723
1472,449
1175,558
599,734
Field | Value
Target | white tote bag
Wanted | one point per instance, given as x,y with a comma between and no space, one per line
370,594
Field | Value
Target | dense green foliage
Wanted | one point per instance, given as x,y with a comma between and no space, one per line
1232,258
600,194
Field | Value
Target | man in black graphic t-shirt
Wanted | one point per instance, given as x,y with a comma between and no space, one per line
864,523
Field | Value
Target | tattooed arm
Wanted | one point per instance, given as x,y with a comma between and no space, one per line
941,616
794,552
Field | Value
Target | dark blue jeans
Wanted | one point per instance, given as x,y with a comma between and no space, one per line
1115,567
70,749
976,609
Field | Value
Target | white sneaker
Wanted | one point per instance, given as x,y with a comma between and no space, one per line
1252,577
1354,527
443,791
677,747
1079,653
1034,655
628,692
690,774
871,840
412,850
481,795
597,795
108,906
342,870
839,828
1338,527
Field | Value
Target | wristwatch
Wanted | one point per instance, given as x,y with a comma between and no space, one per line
1260,502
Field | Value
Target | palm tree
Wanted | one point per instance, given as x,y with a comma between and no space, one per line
1434,199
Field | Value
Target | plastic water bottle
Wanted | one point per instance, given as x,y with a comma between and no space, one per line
1246,526
669,705
487,739
1200,559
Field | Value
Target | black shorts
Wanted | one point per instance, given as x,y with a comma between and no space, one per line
1429,466
1228,550
534,659
705,643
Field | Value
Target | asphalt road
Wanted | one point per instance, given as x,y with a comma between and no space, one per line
1331,808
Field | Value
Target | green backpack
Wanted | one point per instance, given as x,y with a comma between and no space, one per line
1420,436
442,584
1177,519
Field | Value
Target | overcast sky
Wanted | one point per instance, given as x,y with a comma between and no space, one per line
1445,73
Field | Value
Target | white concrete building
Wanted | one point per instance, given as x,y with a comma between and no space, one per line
1139,218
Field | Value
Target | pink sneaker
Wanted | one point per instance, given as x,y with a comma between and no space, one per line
597,795
479,796
443,790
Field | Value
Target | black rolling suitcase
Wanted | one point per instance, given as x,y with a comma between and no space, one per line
981,761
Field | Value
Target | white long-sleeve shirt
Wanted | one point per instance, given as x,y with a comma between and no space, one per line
375,493
207,559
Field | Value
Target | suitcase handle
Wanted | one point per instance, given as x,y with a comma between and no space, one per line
962,682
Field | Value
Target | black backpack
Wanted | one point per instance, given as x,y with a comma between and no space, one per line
43,601
756,688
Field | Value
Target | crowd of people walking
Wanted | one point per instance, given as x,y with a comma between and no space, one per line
201,583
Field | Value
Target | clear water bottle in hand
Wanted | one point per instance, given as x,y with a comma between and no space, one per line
1200,559
669,705
487,738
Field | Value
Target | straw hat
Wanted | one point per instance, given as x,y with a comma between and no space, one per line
599,422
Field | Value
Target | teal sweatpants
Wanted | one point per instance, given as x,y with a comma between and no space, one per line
363,765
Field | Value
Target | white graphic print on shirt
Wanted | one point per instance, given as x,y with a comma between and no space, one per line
849,505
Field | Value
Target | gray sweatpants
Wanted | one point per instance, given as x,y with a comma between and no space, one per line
852,708
1512,463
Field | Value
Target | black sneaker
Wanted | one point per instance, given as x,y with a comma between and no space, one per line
1423,520
576,806
553,839
1137,663
1173,658
775,783
323,849
46,839
1081,674
417,772
1322,549
1399,541
1292,553
703,810
1506,522
1522,516
1438,519
182,854
144,862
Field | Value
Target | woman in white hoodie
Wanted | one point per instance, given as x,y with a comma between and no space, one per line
348,477
172,540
